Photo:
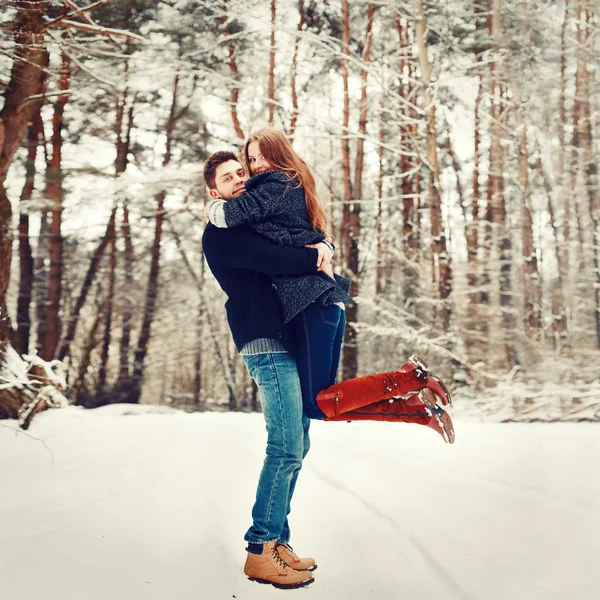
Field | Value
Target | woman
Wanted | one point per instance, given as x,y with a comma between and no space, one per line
281,203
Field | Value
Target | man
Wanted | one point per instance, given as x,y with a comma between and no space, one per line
243,262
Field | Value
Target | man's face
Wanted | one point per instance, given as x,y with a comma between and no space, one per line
230,180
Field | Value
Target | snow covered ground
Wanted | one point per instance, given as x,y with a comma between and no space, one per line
154,505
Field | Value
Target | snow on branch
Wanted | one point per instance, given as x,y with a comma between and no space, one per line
89,71
36,384
97,29
42,98
86,17
78,11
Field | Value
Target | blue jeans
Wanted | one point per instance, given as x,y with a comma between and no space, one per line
288,442
318,332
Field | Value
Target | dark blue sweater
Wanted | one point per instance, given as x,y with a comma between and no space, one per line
243,262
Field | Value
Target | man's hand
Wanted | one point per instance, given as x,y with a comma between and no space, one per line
327,269
325,254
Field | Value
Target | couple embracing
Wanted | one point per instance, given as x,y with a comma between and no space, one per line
269,247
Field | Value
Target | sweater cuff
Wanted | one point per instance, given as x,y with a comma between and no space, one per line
216,213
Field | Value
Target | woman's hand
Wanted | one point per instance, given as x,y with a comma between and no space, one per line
324,257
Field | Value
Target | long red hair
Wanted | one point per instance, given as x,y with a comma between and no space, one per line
276,148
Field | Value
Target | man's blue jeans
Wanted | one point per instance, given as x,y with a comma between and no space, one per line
276,376
318,332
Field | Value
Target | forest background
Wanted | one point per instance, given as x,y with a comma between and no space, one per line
455,149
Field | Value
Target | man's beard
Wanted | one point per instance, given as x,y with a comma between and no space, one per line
235,196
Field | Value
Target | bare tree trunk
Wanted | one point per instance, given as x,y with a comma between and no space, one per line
80,392
54,194
472,230
496,197
473,227
34,133
41,258
379,280
350,357
128,259
562,119
408,168
363,116
149,306
26,79
152,289
456,167
441,261
233,69
350,360
108,310
40,279
198,360
294,118
123,147
576,146
590,165
272,64
85,288
199,396
530,272
488,224
5,258
559,317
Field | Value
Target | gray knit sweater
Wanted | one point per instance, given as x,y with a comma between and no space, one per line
274,205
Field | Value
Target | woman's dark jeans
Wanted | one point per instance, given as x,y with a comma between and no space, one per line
319,331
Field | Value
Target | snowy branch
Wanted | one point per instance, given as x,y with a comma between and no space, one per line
98,30
75,13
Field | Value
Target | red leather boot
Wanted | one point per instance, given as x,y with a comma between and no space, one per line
442,394
423,412
413,375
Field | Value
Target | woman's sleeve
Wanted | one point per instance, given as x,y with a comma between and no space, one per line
250,207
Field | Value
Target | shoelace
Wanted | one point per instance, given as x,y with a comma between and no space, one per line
278,558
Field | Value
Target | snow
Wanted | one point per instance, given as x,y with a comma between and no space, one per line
149,503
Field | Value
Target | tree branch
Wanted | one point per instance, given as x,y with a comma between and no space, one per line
75,13
97,29
41,97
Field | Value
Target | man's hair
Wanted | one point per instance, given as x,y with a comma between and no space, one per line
211,164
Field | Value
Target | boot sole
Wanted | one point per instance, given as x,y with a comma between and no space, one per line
428,398
445,422
281,586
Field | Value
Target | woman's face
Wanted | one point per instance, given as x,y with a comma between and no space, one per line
257,162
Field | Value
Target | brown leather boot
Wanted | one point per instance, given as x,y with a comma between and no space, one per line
293,560
269,567
353,394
